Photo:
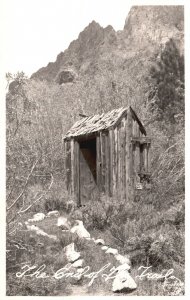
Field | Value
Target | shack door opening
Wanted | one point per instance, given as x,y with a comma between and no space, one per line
87,165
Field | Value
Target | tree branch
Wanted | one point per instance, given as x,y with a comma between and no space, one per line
26,209
20,195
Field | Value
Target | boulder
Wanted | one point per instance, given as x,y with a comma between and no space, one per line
123,282
53,213
71,254
104,248
78,263
122,259
112,251
80,230
66,76
99,242
123,267
63,223
37,217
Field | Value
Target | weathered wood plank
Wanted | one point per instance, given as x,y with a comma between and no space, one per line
68,165
116,158
131,167
77,173
141,140
119,161
123,158
127,159
149,158
114,163
111,162
137,158
145,158
107,164
72,166
98,162
103,160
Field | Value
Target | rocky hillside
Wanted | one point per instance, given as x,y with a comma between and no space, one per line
146,28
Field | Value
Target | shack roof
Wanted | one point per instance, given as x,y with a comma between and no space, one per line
97,123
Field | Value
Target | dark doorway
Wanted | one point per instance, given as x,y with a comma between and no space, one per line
87,165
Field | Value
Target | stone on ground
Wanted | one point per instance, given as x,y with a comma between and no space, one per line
78,263
37,217
99,242
104,248
80,230
123,267
40,231
122,259
112,251
71,254
63,223
123,282
53,213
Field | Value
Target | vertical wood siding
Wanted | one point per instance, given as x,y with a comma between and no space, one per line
118,160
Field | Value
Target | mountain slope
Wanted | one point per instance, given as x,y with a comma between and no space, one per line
146,28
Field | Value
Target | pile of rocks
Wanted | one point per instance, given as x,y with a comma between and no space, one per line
123,281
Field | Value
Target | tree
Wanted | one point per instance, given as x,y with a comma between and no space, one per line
167,93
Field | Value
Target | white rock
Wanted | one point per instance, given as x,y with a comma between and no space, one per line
112,251
78,263
32,227
53,237
37,217
104,248
122,259
40,231
53,213
80,230
123,267
80,270
70,252
123,282
99,242
62,221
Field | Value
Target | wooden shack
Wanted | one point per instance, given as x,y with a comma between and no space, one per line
107,153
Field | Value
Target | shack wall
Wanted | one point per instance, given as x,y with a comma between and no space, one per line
120,157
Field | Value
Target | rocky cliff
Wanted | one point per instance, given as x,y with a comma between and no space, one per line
146,29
